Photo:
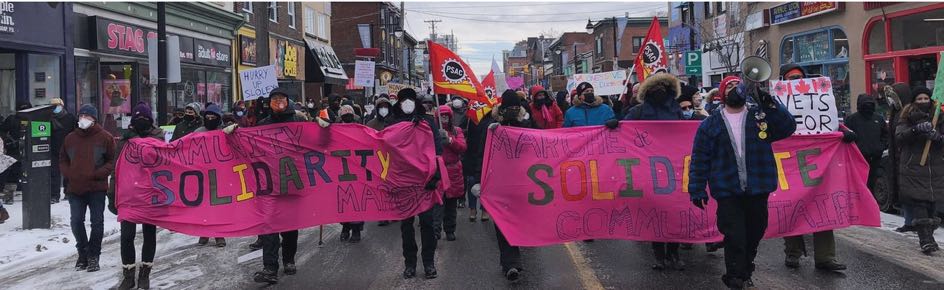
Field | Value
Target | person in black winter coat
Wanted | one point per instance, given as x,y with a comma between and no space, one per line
871,134
11,131
510,113
408,109
63,123
472,164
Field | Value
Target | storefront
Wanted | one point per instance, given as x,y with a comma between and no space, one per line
113,71
34,54
288,57
825,52
324,71
904,46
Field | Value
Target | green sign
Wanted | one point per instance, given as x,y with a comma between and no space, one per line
693,70
693,63
40,129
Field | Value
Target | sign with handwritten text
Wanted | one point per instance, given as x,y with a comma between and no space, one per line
258,82
811,101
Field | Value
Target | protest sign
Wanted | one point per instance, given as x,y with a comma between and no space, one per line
545,187
364,73
811,101
276,178
514,83
258,82
604,84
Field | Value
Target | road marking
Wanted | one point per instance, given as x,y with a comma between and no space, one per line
587,277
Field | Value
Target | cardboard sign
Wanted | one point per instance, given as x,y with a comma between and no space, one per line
258,82
812,103
607,83
364,73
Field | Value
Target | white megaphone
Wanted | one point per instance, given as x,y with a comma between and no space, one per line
756,69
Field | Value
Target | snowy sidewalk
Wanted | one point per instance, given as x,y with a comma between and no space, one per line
45,259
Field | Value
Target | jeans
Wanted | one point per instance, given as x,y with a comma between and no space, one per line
742,220
94,202
472,200
427,232
271,245
908,212
509,256
128,232
449,215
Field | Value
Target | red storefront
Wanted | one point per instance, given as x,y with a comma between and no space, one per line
904,46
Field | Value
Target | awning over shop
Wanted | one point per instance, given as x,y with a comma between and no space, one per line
327,68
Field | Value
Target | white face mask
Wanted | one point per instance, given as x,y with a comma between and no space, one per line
383,112
85,123
457,103
407,106
311,105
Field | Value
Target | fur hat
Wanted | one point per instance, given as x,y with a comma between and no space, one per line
658,84
346,109
406,93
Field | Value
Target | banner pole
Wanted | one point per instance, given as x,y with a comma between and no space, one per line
321,235
937,97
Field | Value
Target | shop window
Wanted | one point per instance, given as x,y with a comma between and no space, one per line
147,91
786,51
116,80
877,37
185,91
44,81
812,47
918,30
883,73
840,43
216,89
7,83
86,81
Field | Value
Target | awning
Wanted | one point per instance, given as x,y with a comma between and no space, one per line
327,68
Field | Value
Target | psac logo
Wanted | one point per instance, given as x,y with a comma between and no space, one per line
453,72
127,38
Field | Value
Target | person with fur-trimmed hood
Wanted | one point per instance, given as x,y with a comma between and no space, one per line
510,113
714,100
656,97
545,112
588,109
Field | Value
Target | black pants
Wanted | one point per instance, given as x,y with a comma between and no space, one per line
923,209
427,231
742,220
449,215
55,179
271,245
509,256
664,250
875,167
352,226
128,232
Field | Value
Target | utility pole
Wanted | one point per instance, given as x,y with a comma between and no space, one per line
161,64
432,28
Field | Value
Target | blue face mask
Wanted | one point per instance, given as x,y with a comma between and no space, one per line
57,110
688,114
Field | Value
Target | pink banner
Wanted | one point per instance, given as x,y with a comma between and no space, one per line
276,178
547,187
513,83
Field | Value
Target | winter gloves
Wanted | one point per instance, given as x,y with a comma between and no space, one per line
924,127
612,124
230,129
322,122
848,136
700,202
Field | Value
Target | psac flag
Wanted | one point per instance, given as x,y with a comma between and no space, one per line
548,187
651,57
478,110
451,75
276,178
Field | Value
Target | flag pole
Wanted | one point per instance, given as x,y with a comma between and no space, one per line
936,100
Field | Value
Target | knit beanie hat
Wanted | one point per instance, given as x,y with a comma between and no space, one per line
583,86
89,110
213,109
142,109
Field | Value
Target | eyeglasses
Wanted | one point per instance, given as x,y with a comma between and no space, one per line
686,108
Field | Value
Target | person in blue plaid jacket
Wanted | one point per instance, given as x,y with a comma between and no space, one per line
732,156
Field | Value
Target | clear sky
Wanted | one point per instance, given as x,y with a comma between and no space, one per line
484,29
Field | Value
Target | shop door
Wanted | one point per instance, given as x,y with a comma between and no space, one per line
7,83
922,70
118,82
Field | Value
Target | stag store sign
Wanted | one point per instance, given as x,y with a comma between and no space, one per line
118,37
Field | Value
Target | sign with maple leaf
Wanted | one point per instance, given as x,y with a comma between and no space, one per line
812,103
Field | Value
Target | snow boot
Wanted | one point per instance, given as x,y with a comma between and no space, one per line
93,264
82,263
660,259
257,245
203,241
266,276
355,236
220,242
925,228
289,269
127,277
675,261
144,275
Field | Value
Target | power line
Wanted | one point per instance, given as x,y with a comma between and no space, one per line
521,21
524,15
514,5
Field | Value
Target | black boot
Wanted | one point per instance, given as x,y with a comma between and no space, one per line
144,276
81,264
345,233
409,272
659,254
257,245
93,264
266,276
127,277
925,229
289,269
355,236
675,260
431,272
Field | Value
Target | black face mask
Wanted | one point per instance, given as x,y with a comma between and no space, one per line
589,98
141,126
924,107
212,124
189,118
510,115
347,118
867,109
735,99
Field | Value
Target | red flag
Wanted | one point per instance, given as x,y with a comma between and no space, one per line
451,75
478,110
651,58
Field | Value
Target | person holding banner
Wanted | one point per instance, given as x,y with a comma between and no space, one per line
921,185
509,113
407,110
824,242
732,156
453,147
142,126
547,115
190,122
350,231
212,120
588,109
271,243
657,101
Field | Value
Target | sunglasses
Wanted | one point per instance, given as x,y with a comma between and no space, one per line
685,108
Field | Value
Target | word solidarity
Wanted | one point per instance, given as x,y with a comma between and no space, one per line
276,178
554,186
